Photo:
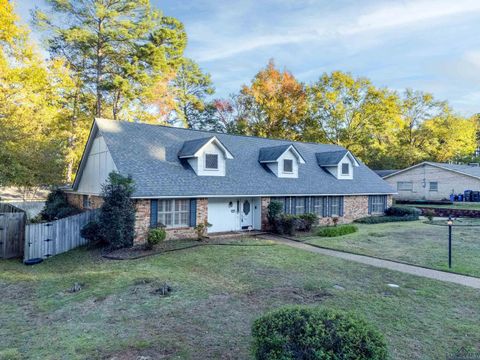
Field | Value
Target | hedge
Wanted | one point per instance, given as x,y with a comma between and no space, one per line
385,219
403,211
332,231
313,333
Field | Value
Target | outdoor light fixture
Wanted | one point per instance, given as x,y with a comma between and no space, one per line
450,223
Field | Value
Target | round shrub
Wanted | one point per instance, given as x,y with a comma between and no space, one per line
91,231
403,211
155,236
312,333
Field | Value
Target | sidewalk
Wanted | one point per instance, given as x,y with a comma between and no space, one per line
385,264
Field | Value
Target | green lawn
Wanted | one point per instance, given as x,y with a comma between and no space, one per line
413,242
217,292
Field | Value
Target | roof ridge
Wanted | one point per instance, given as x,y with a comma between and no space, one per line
222,133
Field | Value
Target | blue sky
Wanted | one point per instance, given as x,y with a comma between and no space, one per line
429,45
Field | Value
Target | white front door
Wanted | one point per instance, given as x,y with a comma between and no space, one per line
246,214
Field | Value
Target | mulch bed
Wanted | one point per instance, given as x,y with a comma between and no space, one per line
139,251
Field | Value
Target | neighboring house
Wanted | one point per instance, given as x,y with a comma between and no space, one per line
185,177
434,181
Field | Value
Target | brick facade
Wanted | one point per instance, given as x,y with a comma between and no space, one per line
354,207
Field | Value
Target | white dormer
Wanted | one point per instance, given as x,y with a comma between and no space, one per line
206,156
339,163
282,160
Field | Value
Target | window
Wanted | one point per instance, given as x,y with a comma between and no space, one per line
86,202
287,165
345,169
317,205
299,205
378,204
334,204
405,186
174,212
211,161
433,186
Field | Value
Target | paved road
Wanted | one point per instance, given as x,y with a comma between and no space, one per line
385,264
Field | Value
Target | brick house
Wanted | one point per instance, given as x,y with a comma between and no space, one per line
185,177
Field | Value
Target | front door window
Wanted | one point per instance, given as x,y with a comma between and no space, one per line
246,207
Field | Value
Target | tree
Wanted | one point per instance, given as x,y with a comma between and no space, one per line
353,113
191,86
31,145
117,214
274,105
117,49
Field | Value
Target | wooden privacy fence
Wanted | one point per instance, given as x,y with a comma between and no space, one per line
12,230
56,237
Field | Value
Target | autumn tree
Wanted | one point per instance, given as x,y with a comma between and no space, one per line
31,111
353,113
274,105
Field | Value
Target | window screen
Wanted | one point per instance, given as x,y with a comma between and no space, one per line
299,205
86,202
404,186
317,205
173,212
211,161
287,165
334,205
345,169
378,204
433,186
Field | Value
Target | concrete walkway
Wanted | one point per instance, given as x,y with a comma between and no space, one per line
385,264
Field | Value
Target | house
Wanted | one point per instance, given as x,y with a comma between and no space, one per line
434,181
185,177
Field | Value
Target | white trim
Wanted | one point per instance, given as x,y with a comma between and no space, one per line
249,195
431,164
352,159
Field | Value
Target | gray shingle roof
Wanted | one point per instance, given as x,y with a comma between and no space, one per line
463,168
150,154
272,153
190,147
383,173
330,158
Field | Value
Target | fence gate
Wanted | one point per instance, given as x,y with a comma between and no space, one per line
12,234
49,239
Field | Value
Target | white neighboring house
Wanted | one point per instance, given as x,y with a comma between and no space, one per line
433,181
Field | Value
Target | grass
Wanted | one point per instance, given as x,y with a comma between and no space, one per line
217,293
414,242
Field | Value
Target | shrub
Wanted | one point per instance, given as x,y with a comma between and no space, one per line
385,219
201,229
155,236
403,211
288,224
312,333
117,214
92,232
333,231
57,206
274,212
429,213
307,221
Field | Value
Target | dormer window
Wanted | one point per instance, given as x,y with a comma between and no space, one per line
206,156
211,161
339,163
287,166
282,160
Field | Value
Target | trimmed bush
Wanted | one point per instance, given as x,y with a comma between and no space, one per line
92,232
312,333
57,207
287,224
333,231
385,219
155,237
117,214
429,214
306,221
403,211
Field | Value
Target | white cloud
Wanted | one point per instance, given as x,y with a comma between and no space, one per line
320,26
